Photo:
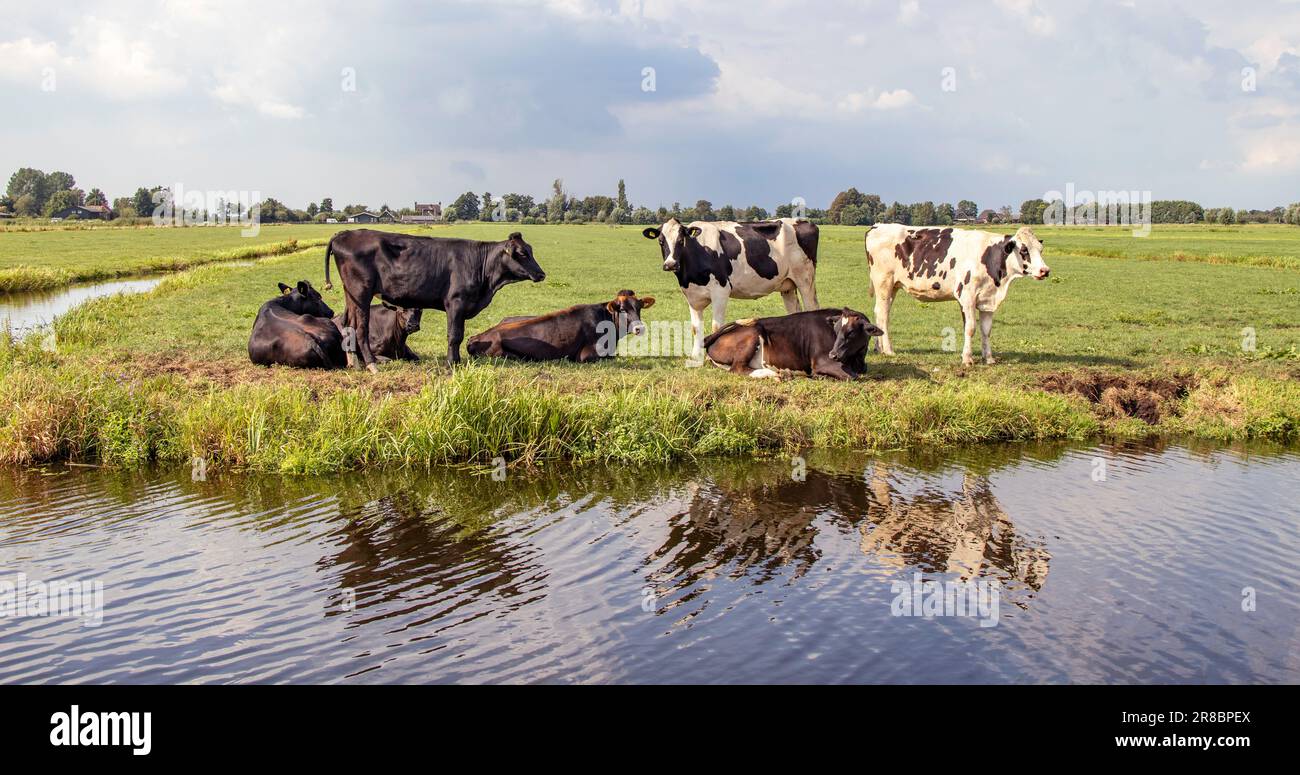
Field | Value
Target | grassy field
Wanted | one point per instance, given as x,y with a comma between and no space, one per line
1124,344
50,258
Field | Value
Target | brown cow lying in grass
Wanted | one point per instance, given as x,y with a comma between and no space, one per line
582,333
824,342
389,327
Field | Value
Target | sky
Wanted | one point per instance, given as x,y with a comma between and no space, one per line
747,103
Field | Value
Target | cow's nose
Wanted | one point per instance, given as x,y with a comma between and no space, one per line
670,266
638,329
1043,273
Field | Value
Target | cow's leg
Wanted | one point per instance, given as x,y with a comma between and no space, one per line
968,328
986,328
455,332
361,327
806,282
719,311
885,290
697,334
826,367
791,299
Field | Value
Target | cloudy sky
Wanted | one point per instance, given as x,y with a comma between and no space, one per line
768,100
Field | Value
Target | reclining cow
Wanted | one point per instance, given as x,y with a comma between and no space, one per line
718,260
389,328
582,333
973,267
295,329
824,342
457,276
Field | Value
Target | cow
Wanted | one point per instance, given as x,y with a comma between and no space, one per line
973,267
457,276
389,328
583,333
825,342
718,260
294,329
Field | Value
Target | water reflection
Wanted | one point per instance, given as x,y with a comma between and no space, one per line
450,575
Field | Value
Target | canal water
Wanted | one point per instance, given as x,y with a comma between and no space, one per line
1106,564
27,311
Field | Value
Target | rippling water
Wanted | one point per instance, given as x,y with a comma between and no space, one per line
1112,564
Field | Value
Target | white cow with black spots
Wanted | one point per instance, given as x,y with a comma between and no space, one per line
975,268
719,260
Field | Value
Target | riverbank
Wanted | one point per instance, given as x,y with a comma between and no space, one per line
1108,347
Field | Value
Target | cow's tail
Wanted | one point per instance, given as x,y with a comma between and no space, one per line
329,248
732,326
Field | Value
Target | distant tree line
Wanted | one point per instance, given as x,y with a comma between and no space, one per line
33,193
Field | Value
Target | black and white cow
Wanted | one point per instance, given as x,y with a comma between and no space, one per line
719,260
975,268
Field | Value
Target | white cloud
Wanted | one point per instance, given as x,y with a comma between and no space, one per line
856,102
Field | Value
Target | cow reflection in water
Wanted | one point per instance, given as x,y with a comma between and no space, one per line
965,533
760,525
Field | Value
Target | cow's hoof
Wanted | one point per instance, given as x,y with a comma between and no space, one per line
990,361
968,361
352,360
372,368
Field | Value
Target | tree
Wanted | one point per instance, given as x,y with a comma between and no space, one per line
897,213
96,197
1226,216
555,205
945,214
967,209
486,211
923,214
59,181
59,200
312,210
465,207
327,205
704,211
1031,211
26,205
726,213
28,182
849,198
622,196
142,201
521,202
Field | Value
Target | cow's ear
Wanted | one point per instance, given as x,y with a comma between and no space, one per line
304,287
650,233
514,235
387,305
1009,247
283,288
647,302
612,306
694,231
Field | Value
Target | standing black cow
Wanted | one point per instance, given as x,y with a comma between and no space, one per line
457,276
294,329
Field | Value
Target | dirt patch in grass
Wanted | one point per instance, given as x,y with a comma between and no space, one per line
226,373
1147,397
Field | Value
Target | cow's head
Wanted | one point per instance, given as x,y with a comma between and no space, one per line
304,300
853,332
408,320
672,237
519,259
626,309
1025,255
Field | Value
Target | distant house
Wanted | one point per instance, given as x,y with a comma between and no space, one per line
83,212
366,216
429,209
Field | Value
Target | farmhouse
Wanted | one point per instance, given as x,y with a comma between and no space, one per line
101,212
425,212
366,216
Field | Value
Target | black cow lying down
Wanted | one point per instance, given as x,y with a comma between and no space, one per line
582,333
389,328
297,328
294,329
827,343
